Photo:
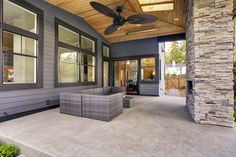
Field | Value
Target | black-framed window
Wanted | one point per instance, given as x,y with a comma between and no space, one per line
106,50
75,56
148,69
21,50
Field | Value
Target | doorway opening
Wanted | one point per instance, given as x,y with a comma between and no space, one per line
126,75
175,68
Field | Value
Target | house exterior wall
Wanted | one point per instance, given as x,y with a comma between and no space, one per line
137,48
210,61
146,47
16,101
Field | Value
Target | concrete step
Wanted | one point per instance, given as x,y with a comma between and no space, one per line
25,150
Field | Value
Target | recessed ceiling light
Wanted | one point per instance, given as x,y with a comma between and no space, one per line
142,2
158,7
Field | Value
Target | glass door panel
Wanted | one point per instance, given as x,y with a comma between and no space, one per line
105,74
131,68
119,73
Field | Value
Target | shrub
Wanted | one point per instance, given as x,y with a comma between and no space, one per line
235,116
9,150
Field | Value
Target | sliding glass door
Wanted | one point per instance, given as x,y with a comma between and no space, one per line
126,75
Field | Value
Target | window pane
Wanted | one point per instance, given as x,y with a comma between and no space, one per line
67,72
29,46
67,65
87,44
87,73
87,60
148,74
19,44
19,17
106,51
105,74
19,69
119,73
148,62
11,42
67,36
66,55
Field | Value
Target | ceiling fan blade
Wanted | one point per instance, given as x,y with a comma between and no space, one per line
103,9
141,19
111,29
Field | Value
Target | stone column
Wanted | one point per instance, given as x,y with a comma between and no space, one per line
209,33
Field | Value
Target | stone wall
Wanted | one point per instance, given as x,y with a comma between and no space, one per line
210,61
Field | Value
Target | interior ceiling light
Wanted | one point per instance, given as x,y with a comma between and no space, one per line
143,2
142,31
158,7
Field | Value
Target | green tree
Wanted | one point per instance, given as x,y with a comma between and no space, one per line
177,53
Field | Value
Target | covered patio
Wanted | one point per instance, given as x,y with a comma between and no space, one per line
155,126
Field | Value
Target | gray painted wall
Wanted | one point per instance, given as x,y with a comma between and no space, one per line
16,101
142,46
135,48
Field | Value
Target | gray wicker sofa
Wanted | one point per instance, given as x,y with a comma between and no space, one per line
97,103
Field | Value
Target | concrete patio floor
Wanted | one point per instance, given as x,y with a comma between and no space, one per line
154,127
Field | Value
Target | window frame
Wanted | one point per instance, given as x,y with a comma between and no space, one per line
106,59
37,36
156,69
79,51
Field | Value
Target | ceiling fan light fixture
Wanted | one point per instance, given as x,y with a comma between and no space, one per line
141,31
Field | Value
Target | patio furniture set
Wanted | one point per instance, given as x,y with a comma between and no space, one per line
96,103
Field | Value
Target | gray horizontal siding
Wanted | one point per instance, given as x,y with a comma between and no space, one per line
149,89
12,102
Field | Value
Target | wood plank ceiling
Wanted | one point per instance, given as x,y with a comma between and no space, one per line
168,23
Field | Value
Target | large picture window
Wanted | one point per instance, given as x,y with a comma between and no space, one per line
21,49
148,69
76,56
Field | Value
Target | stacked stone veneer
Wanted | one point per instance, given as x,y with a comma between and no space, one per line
209,33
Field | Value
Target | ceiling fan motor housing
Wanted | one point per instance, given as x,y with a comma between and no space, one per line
119,20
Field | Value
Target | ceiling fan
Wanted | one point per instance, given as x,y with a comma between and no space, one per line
118,20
